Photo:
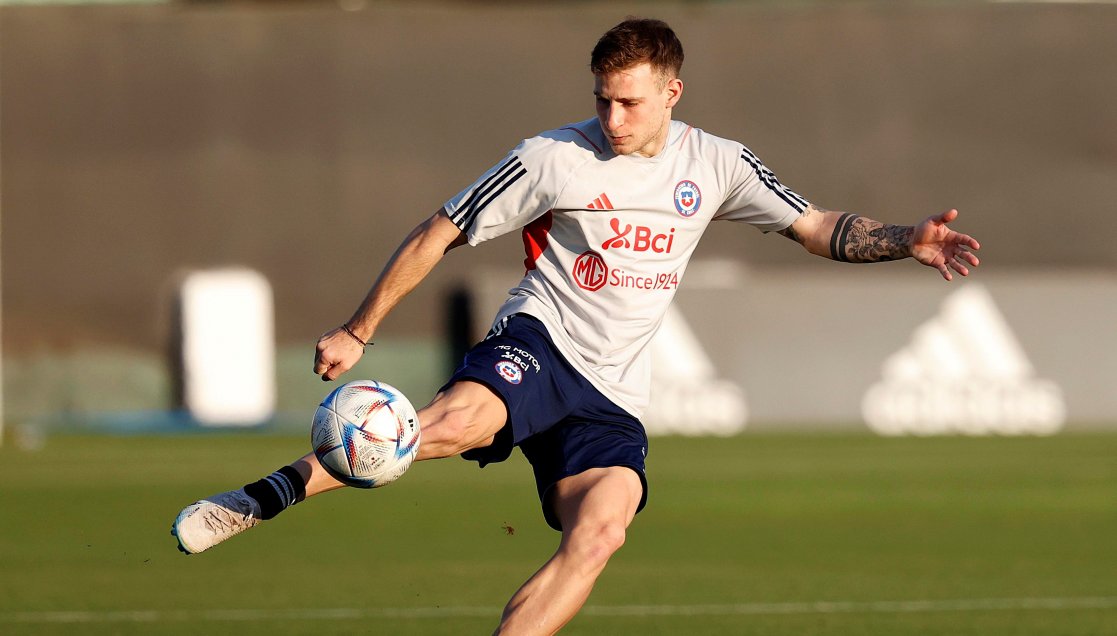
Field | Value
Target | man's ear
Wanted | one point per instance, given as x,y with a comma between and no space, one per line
674,90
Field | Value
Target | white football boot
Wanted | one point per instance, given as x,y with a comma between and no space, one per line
203,524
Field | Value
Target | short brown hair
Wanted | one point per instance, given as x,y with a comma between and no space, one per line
635,41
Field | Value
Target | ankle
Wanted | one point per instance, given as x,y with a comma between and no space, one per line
277,492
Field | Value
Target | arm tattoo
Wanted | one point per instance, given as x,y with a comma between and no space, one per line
861,240
790,233
841,236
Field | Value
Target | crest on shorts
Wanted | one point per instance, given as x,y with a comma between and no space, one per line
510,371
688,198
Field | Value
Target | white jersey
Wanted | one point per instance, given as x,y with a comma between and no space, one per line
608,236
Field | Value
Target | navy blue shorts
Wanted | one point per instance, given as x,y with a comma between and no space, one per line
560,421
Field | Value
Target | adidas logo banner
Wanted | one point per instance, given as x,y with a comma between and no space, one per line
963,372
688,397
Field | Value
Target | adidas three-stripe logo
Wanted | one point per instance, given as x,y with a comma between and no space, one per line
283,488
486,191
498,328
600,203
769,179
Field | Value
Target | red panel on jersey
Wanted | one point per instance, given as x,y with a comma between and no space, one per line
535,239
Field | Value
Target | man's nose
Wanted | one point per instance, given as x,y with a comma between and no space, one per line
615,118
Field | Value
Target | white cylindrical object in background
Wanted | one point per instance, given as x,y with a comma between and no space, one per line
227,347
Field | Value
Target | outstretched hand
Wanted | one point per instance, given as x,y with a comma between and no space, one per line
335,354
936,245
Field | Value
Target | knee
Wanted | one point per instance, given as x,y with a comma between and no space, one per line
596,543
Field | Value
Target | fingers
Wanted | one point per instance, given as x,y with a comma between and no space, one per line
948,216
966,241
323,368
952,248
320,364
968,257
945,271
962,239
335,354
961,260
329,365
328,370
331,371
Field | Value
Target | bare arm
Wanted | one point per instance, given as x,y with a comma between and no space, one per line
424,247
844,236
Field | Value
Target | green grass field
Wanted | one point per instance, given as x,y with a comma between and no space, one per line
759,534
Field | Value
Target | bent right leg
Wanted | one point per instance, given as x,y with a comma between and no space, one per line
466,415
595,507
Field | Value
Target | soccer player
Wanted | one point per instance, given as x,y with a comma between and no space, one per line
611,210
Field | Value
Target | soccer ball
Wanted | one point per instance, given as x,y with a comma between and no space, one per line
365,434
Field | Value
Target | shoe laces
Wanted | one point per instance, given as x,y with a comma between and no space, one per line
221,518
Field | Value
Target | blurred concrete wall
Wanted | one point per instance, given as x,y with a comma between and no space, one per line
305,140
807,348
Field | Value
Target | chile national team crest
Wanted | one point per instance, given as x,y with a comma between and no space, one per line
509,372
687,198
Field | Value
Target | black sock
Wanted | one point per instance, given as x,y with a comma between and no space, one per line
276,492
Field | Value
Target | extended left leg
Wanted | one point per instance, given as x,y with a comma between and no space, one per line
595,508
466,415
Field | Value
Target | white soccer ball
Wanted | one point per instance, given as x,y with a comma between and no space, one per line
365,434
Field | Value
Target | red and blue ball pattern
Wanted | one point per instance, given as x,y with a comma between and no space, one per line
365,434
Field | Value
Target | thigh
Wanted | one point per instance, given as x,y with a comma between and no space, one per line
538,386
576,447
597,497
463,415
